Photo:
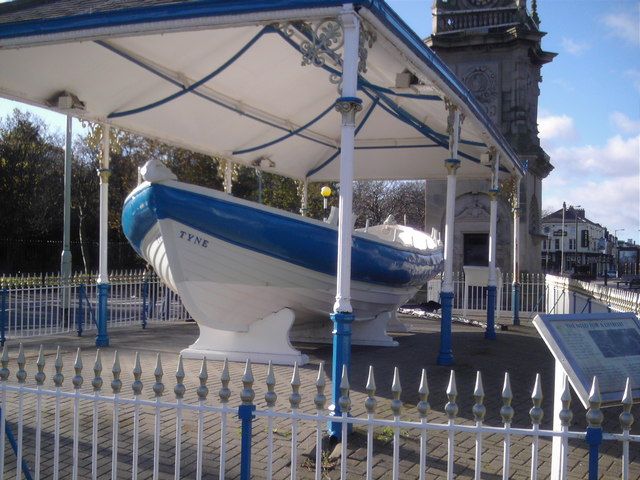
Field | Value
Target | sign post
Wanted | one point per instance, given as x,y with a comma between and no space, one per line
602,345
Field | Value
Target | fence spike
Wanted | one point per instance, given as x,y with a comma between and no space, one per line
594,414
566,415
40,376
77,379
479,410
270,397
506,411
116,383
396,391
344,401
158,386
626,417
203,377
96,383
536,413
371,403
4,371
136,386
21,374
225,378
423,393
451,408
295,397
320,399
179,390
247,394
58,378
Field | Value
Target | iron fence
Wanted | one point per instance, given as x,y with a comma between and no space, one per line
94,428
33,305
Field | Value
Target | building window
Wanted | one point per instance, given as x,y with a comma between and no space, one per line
571,244
557,244
584,238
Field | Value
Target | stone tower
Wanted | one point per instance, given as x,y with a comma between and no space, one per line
494,47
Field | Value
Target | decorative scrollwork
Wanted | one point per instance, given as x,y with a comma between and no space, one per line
321,43
324,40
367,39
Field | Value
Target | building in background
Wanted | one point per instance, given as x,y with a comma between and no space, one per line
581,242
494,47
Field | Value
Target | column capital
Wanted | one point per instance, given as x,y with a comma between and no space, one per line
348,107
348,104
452,165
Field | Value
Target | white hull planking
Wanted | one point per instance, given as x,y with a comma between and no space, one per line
231,291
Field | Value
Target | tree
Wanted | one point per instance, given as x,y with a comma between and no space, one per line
31,187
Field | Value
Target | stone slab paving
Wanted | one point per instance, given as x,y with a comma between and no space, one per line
519,351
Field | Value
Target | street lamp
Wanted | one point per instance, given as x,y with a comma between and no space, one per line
617,258
575,214
564,209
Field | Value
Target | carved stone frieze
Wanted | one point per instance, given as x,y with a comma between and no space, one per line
482,81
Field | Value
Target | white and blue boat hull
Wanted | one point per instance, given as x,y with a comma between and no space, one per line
246,272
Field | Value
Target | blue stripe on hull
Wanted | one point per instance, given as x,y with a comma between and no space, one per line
292,240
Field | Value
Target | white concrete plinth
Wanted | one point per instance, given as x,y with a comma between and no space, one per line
368,332
267,340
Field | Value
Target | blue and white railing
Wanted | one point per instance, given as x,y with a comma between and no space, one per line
34,305
532,295
565,295
96,426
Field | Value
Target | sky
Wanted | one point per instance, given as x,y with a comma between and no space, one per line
589,108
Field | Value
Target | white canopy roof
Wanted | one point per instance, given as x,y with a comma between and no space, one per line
228,78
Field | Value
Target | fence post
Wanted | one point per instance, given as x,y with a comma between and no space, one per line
145,293
245,413
167,302
102,339
594,430
4,293
80,310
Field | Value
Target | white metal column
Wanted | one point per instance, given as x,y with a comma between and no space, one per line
102,340
227,176
490,331
65,259
445,356
348,105
304,204
515,295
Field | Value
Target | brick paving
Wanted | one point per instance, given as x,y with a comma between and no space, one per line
519,351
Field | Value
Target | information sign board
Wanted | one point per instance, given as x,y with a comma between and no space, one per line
606,345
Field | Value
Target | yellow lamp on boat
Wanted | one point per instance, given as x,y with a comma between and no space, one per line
326,193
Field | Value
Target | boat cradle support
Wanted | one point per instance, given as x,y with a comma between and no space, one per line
266,340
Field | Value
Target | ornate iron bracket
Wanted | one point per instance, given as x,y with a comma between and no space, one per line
323,40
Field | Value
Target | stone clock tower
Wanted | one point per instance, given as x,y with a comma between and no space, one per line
494,47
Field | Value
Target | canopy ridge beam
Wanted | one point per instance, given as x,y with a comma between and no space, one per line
218,98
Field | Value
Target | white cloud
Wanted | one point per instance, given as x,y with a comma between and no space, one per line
603,179
553,127
624,26
624,123
619,157
574,47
